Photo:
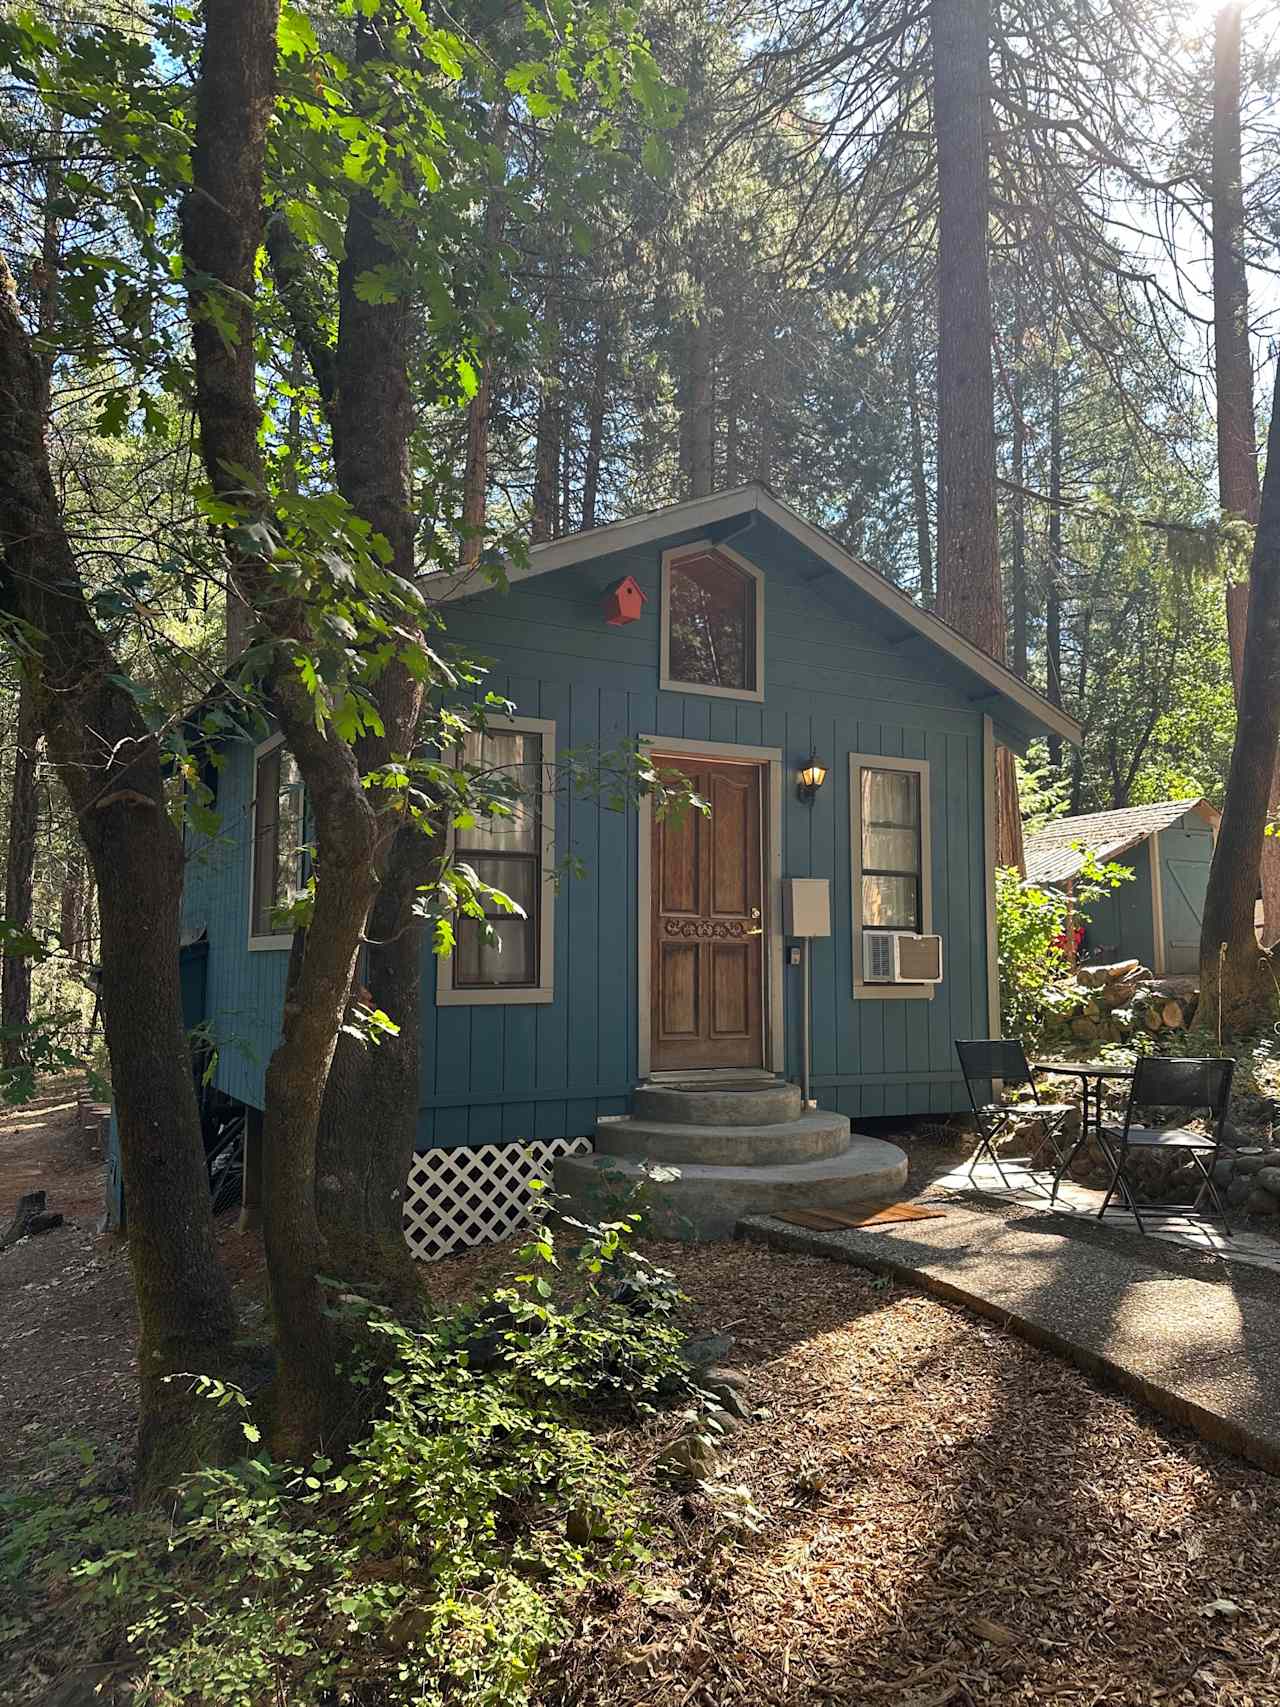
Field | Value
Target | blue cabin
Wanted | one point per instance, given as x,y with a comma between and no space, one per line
1155,917
839,732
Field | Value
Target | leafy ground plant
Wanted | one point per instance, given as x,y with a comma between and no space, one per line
434,1562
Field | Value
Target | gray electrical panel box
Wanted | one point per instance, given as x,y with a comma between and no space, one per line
806,906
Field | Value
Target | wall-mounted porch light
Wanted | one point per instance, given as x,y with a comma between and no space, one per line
812,776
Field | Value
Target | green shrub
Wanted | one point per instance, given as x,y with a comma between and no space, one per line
1033,929
437,1561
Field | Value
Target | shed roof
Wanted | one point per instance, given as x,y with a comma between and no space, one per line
1056,853
1021,706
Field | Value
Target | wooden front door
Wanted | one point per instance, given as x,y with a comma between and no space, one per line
707,964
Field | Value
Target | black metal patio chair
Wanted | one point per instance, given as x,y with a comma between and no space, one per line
1194,1085
985,1060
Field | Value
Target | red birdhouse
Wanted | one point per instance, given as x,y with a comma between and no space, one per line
624,602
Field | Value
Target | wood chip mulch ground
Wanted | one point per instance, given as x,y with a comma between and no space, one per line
925,1511
946,1516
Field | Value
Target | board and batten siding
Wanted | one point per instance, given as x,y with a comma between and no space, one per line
832,683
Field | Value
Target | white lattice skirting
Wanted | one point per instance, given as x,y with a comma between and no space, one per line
461,1198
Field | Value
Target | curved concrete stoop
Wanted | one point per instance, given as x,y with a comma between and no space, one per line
737,1150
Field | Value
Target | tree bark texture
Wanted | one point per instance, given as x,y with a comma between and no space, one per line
1238,492
1236,978
20,865
701,405
368,1123
1018,530
222,230
919,482
546,455
969,591
597,409
112,770
1238,489
1053,598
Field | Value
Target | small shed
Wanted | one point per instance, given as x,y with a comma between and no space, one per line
1168,846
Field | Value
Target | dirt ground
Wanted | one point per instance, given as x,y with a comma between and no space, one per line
922,1511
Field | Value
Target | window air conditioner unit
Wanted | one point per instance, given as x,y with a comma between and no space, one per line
900,957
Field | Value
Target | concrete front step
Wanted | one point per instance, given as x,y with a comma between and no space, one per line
807,1138
692,1201
762,1103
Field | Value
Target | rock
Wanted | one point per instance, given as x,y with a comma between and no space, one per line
728,1377
1224,1171
721,1421
705,1351
1269,1180
1239,1192
1250,1161
1261,1203
727,1387
691,1457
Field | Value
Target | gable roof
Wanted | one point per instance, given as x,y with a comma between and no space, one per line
1054,854
752,501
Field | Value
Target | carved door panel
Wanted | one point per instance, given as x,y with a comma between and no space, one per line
707,965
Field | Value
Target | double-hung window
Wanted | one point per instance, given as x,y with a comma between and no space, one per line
508,957
279,836
889,830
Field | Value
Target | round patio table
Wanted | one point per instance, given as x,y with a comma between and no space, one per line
1090,1074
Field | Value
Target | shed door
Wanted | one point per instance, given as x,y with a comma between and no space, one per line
1186,858
707,961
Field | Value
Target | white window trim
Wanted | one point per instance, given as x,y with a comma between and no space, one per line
272,941
449,997
698,548
877,761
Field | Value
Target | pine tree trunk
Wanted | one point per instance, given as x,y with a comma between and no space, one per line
596,410
1236,979
919,482
1238,493
475,479
1053,601
72,910
112,770
701,406
1018,504
24,823
969,591
546,456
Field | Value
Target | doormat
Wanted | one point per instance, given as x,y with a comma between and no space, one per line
858,1215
